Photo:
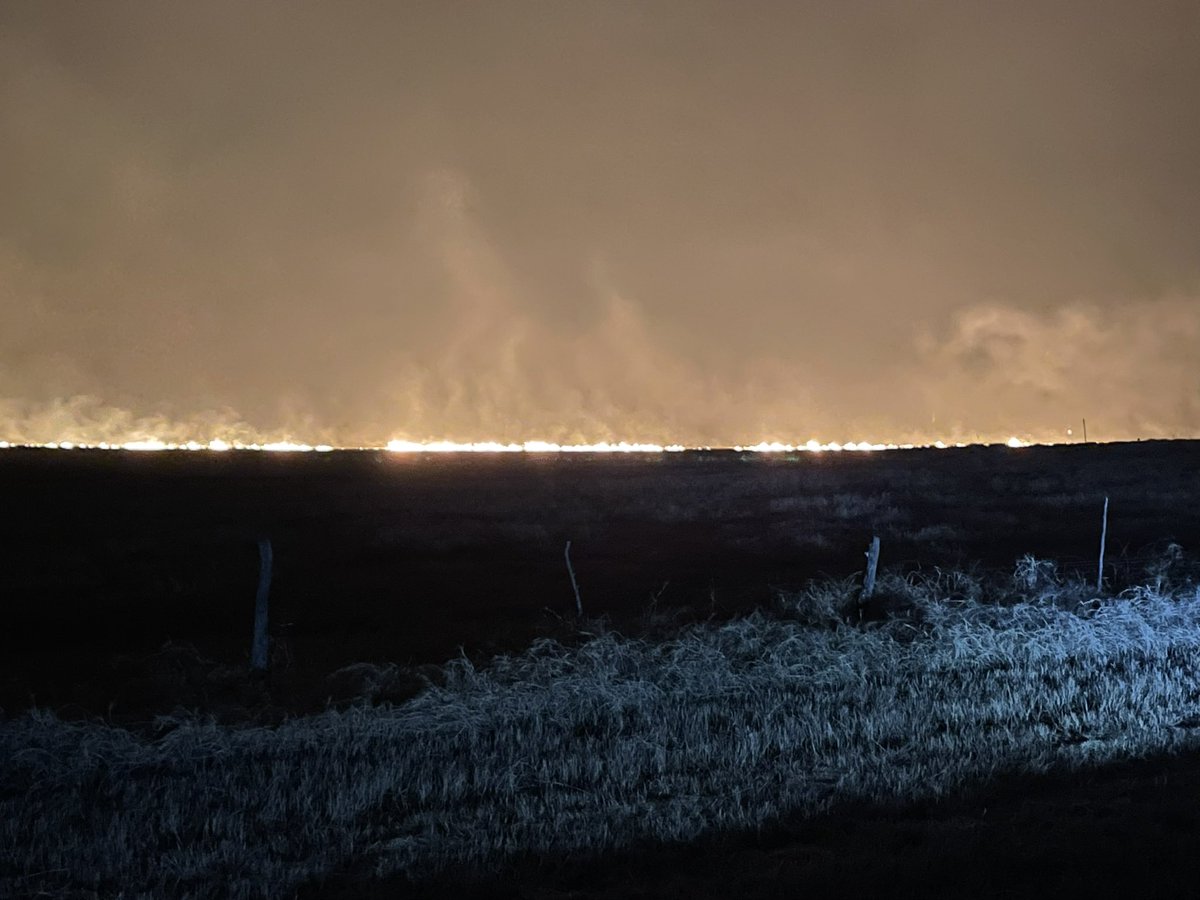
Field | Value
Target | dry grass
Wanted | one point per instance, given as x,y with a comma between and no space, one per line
614,741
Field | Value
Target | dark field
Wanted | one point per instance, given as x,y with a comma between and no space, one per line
407,559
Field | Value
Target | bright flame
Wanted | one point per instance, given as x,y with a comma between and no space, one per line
216,445
814,446
220,445
286,447
398,446
451,447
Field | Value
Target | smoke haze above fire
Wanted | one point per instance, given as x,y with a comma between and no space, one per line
693,222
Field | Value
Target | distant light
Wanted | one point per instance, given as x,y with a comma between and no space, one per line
1016,442
219,445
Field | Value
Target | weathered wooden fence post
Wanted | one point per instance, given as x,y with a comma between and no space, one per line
1103,538
869,579
258,650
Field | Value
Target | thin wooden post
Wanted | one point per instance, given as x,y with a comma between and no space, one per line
1085,431
872,566
574,583
258,650
1103,538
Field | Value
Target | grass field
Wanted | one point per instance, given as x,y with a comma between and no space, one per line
606,742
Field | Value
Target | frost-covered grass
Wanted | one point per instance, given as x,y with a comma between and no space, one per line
614,741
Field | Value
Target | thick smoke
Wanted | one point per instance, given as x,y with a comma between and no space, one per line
690,222
1130,370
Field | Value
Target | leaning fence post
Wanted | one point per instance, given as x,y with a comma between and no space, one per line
872,566
574,583
258,650
1103,536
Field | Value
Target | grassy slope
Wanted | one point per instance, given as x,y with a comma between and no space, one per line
614,742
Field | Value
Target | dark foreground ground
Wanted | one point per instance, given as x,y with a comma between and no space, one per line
106,557
1124,831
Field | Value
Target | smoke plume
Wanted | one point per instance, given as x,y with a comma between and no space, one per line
699,222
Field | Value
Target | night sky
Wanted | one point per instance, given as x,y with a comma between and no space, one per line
693,222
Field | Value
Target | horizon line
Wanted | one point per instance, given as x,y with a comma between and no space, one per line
402,447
